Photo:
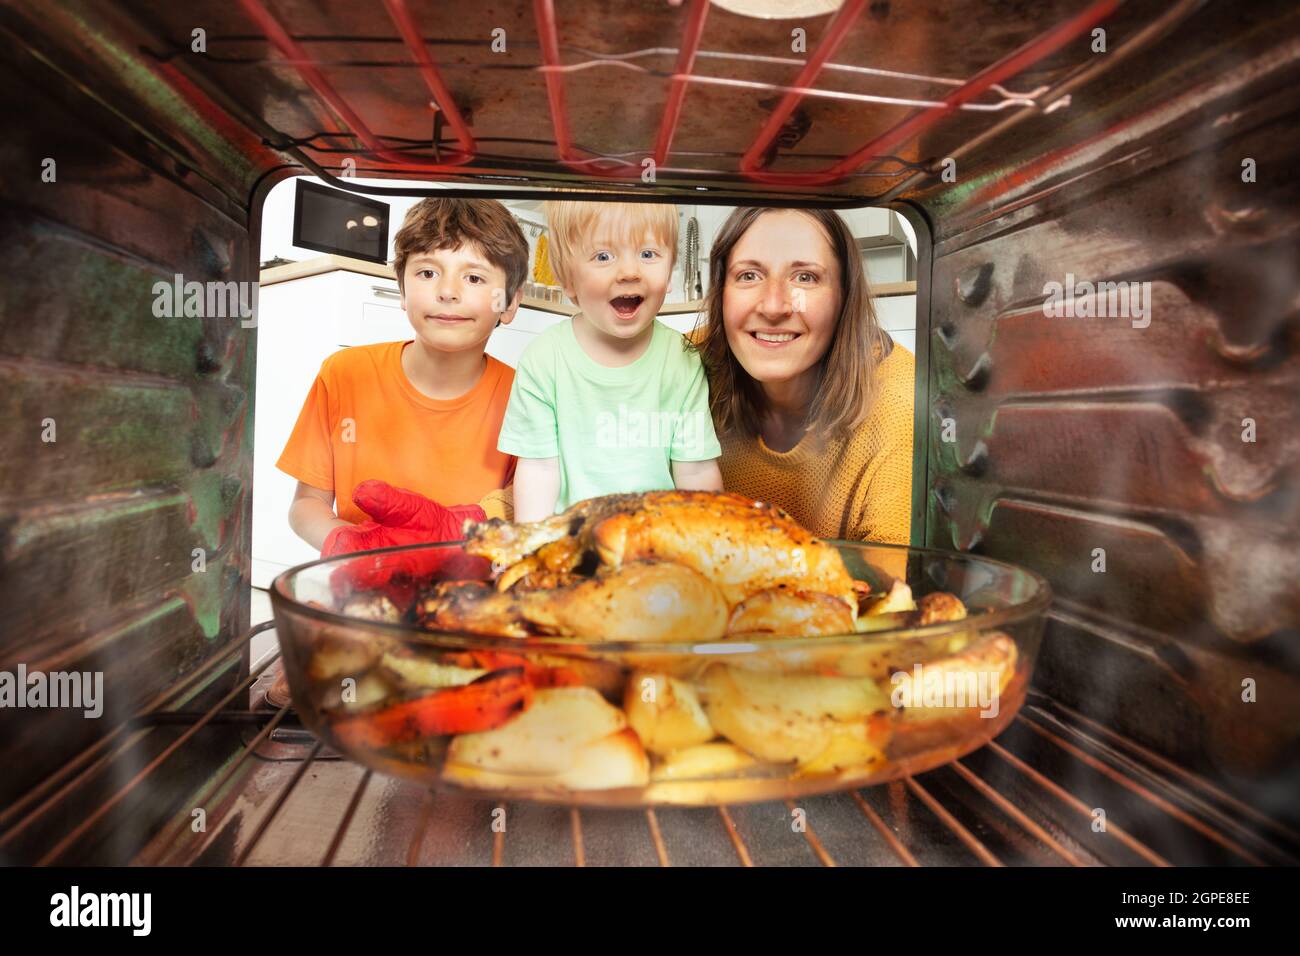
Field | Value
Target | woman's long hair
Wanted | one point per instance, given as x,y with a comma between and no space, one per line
846,378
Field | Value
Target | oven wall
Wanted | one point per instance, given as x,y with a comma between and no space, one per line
125,484
1150,471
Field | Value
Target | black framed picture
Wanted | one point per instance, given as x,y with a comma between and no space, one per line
342,223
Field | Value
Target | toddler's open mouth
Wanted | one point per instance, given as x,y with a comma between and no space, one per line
626,305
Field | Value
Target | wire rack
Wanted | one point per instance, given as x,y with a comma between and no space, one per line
985,92
279,797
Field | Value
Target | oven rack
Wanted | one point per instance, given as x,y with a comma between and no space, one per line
277,796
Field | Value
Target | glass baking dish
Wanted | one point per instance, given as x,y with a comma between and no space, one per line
634,724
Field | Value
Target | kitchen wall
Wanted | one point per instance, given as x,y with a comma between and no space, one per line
897,313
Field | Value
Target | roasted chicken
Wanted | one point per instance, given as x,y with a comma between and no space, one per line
660,566
742,546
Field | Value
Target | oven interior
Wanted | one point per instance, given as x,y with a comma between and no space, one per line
1143,142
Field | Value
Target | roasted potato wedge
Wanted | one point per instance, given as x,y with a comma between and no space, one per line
790,613
372,607
715,759
423,672
615,760
336,655
665,712
793,717
943,688
371,688
899,598
570,737
845,751
939,606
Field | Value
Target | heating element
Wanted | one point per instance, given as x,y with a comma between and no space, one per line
753,163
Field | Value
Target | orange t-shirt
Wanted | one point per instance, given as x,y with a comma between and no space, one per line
364,419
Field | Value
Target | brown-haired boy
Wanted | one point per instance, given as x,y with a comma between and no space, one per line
392,430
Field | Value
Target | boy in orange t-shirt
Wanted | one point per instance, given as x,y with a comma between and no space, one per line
424,414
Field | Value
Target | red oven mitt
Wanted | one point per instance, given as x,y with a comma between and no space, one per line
401,517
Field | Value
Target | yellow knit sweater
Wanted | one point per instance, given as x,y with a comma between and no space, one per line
859,488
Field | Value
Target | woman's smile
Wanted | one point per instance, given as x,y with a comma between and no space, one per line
773,339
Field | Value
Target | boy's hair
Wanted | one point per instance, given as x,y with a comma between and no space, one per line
571,226
433,224
847,372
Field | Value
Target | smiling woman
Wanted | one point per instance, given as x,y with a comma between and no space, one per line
812,401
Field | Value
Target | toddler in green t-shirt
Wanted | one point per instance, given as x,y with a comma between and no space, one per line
610,400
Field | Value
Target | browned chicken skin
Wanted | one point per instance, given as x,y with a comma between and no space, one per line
740,545
638,601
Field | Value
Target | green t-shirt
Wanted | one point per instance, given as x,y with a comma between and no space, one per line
613,429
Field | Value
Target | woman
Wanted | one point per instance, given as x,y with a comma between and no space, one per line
811,400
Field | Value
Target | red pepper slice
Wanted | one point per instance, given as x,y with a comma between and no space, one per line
480,705
539,675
